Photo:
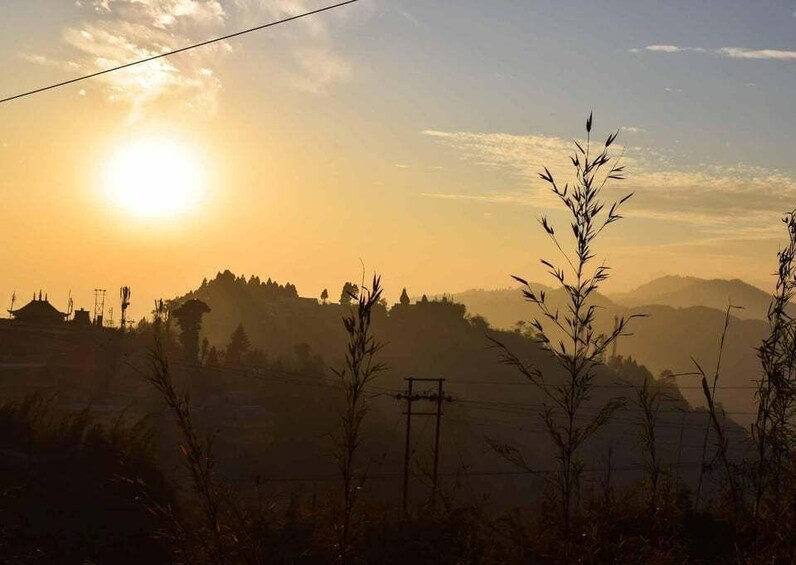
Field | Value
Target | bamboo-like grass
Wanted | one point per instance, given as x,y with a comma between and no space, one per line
583,349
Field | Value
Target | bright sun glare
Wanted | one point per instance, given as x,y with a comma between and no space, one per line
154,178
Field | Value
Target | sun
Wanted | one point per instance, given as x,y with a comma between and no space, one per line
154,179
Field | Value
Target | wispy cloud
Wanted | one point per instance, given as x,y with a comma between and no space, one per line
114,32
731,52
672,49
317,65
407,15
740,53
252,11
719,199
320,68
166,14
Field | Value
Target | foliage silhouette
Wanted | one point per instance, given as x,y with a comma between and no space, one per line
349,292
239,345
189,318
586,348
360,370
71,489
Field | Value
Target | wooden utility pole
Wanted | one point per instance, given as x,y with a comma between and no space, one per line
436,442
437,398
409,397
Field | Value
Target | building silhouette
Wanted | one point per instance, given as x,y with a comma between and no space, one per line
39,311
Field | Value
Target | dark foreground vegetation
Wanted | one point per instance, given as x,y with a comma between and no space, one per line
79,487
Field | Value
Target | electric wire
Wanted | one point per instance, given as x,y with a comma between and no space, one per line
175,51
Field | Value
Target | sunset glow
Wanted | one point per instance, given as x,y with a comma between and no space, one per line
153,178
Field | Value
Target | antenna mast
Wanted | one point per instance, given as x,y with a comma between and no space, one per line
99,306
125,293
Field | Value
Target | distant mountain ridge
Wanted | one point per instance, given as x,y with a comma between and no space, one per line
503,308
684,317
277,319
684,292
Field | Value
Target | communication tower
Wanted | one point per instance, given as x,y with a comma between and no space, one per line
99,306
125,293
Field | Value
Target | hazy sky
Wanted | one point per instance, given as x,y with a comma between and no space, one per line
405,133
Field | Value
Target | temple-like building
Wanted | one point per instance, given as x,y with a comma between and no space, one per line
39,312
81,318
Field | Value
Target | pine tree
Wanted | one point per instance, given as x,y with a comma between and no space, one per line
404,298
324,296
239,344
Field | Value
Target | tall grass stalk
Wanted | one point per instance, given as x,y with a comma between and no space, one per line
716,421
774,430
648,400
583,349
197,452
360,369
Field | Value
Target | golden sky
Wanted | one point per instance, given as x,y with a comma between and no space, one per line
405,135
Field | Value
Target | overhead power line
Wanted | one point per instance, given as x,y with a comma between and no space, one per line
469,473
176,51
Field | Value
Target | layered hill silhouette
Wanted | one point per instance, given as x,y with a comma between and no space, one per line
684,319
446,337
682,292
503,308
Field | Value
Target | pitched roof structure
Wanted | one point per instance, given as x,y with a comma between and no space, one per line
38,311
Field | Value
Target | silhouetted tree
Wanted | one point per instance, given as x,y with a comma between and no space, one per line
239,345
255,358
349,293
404,298
189,318
324,296
204,351
479,322
212,358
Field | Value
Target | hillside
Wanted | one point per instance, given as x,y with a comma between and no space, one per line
668,338
503,308
434,338
683,292
670,334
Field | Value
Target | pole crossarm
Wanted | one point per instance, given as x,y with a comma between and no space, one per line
437,397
